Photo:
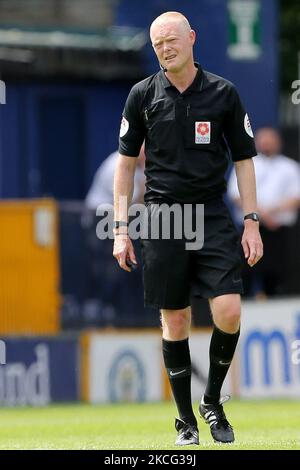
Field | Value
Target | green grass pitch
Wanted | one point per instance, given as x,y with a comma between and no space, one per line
257,425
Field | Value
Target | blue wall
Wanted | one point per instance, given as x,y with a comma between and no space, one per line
54,136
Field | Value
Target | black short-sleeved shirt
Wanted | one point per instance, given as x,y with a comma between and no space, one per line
187,135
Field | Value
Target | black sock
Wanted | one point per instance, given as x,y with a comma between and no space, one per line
178,364
221,351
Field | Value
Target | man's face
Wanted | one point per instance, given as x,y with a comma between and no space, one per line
173,44
267,142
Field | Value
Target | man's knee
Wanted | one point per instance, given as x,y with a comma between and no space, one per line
176,323
232,317
226,311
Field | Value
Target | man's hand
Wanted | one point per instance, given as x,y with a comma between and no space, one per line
251,242
123,251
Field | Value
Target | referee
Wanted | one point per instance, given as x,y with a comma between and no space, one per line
188,118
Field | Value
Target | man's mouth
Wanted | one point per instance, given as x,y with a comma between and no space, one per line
170,57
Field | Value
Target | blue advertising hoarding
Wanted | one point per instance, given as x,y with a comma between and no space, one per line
38,371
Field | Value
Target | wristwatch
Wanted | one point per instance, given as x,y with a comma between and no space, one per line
120,223
253,216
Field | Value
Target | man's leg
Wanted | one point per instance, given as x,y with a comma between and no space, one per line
226,312
176,328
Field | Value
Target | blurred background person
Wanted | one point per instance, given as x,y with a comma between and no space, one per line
103,277
101,190
278,195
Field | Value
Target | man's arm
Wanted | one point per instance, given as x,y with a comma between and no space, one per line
251,240
123,190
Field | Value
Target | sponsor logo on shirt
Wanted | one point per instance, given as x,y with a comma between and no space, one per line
124,127
247,126
202,132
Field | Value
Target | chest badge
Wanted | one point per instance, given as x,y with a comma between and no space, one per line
202,132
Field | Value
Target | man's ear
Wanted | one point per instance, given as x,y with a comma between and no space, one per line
193,36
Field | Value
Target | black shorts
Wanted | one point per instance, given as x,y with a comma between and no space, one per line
172,273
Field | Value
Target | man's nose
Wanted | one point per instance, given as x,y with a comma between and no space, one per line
166,47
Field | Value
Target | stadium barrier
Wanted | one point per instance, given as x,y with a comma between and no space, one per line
39,371
269,349
127,366
104,366
121,366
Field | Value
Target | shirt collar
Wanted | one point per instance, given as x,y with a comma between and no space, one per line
196,85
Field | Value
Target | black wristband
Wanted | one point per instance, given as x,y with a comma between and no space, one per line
252,216
120,223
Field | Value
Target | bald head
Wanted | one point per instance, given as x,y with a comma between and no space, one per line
173,40
171,17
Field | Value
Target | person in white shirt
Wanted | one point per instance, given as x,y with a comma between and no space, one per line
278,198
102,188
104,278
